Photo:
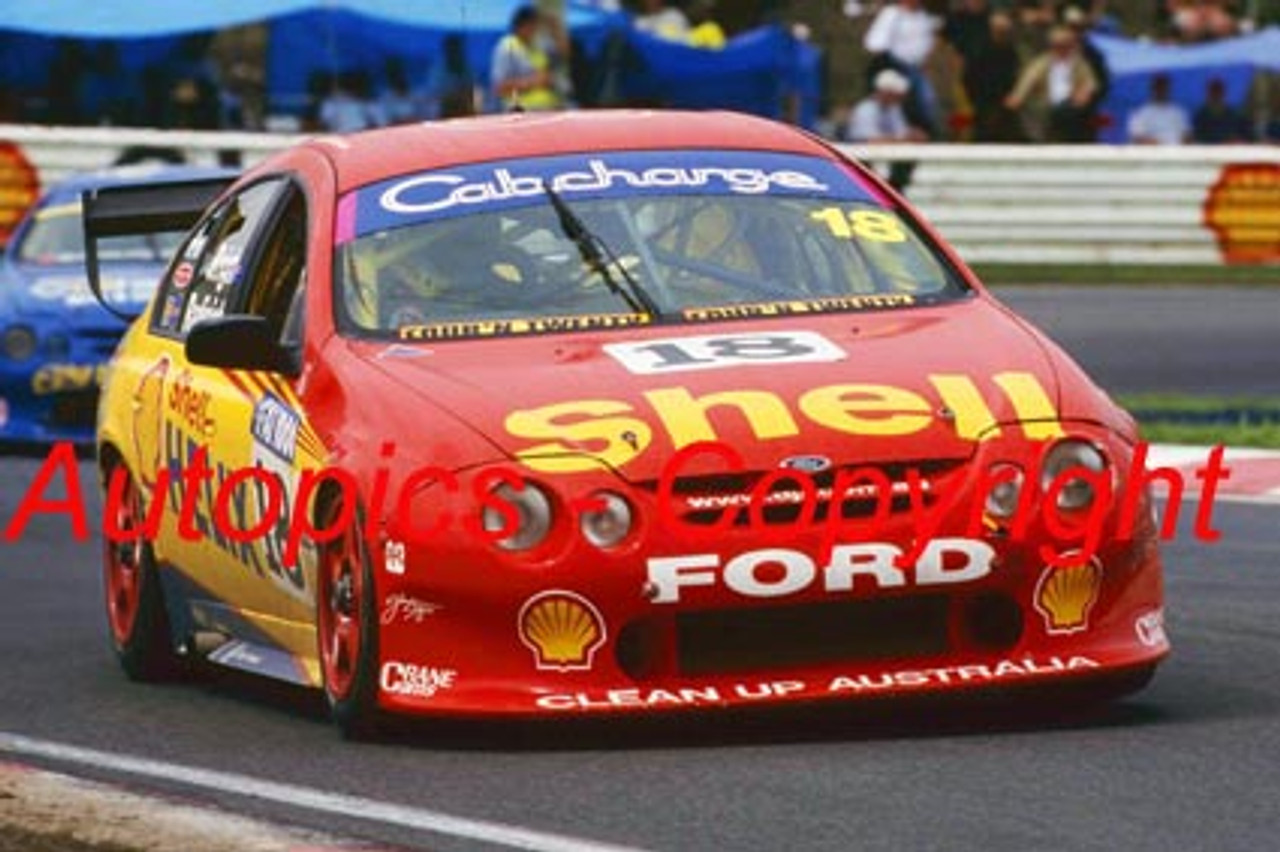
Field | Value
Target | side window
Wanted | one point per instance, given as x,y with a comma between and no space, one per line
212,266
277,282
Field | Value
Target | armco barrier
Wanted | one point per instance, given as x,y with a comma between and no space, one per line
998,204
1097,204
32,158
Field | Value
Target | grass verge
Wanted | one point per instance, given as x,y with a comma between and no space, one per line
1017,273
1206,420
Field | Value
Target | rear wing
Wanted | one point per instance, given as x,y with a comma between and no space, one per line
150,208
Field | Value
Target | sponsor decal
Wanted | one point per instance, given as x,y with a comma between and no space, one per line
806,464
67,378
224,267
202,307
562,629
147,422
532,325
1150,629
1241,208
236,654
398,351
415,681
667,172
407,609
888,681
616,432
715,351
74,292
799,306
182,275
274,495
21,188
495,186
800,496
393,557
189,404
778,572
196,247
61,288
172,312
1065,595
275,427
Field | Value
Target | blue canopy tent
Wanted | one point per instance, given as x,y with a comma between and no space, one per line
760,72
1133,64
142,18
757,72
306,35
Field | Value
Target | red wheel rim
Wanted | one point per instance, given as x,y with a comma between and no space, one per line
123,564
341,591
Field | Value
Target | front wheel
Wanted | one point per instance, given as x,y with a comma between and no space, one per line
135,606
346,628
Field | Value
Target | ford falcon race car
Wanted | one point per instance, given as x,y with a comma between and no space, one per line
602,413
55,338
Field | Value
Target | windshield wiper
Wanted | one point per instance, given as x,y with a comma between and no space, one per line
600,258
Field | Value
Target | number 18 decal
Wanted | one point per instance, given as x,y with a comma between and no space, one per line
871,225
707,352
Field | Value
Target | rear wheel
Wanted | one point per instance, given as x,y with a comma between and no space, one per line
136,612
346,627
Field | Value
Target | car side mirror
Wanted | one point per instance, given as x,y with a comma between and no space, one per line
238,342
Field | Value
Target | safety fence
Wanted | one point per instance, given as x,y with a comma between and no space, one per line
998,204
1096,204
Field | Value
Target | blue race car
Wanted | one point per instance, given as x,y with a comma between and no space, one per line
55,338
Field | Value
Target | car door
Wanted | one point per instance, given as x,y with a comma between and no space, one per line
207,429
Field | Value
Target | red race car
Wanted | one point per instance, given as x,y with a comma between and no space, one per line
601,413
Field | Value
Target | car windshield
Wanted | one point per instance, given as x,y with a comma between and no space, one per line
56,236
703,235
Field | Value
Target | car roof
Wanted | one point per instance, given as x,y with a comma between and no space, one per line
69,189
362,158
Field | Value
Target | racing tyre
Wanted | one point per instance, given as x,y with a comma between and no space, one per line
136,614
347,627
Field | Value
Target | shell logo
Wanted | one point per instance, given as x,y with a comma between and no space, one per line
148,417
562,629
1243,211
1065,595
19,188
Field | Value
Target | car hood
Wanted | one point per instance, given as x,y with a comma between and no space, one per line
29,290
904,385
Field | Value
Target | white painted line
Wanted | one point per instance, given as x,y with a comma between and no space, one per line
1184,455
306,798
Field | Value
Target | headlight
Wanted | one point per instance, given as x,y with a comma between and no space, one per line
19,342
1077,493
533,516
1006,490
608,525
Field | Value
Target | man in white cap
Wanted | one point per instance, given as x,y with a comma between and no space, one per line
879,117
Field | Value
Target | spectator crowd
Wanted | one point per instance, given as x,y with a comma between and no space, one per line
967,70
1025,71
206,83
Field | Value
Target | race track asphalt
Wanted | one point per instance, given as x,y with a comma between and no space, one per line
1191,763
1208,339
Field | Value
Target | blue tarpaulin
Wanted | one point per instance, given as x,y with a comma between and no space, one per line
1133,64
765,71
756,72
141,18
